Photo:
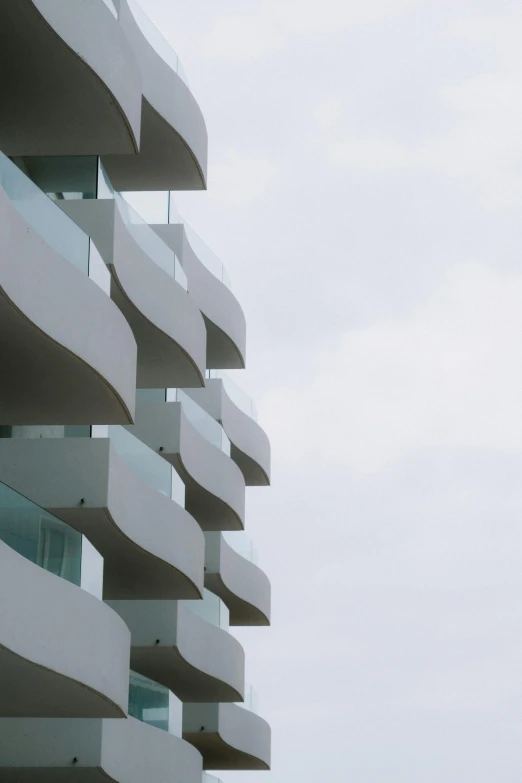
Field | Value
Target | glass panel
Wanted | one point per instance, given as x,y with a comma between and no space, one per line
238,396
212,609
48,542
202,421
251,702
45,217
98,271
62,177
156,39
210,778
207,256
148,465
146,237
92,570
242,544
104,189
152,206
154,704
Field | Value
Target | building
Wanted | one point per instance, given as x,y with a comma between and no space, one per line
125,449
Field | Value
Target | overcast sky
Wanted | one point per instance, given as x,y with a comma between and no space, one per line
365,193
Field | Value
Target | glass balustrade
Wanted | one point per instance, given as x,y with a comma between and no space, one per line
242,544
51,223
212,609
207,256
239,397
154,704
202,421
143,461
160,207
150,242
251,701
49,543
157,40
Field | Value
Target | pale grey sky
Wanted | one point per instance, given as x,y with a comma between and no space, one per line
365,193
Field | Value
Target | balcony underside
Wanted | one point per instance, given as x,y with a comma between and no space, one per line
229,737
69,82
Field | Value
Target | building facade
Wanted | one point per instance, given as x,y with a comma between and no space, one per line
125,449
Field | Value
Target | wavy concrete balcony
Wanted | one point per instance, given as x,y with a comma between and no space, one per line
170,644
209,288
228,404
63,652
214,485
242,585
107,488
97,751
174,142
70,81
149,287
227,736
63,366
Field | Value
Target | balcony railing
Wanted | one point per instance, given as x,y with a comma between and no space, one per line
51,223
202,421
239,397
142,460
212,609
150,242
155,705
242,544
158,42
48,542
159,207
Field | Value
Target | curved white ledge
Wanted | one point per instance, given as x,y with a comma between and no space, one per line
70,84
63,653
174,141
250,447
227,736
224,318
152,548
175,647
97,751
63,365
166,322
242,586
214,485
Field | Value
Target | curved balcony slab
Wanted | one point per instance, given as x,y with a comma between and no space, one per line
93,751
63,365
174,142
250,447
214,485
63,652
166,322
242,586
152,548
227,736
172,645
224,318
71,84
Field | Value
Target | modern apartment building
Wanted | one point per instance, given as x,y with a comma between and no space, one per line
125,449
